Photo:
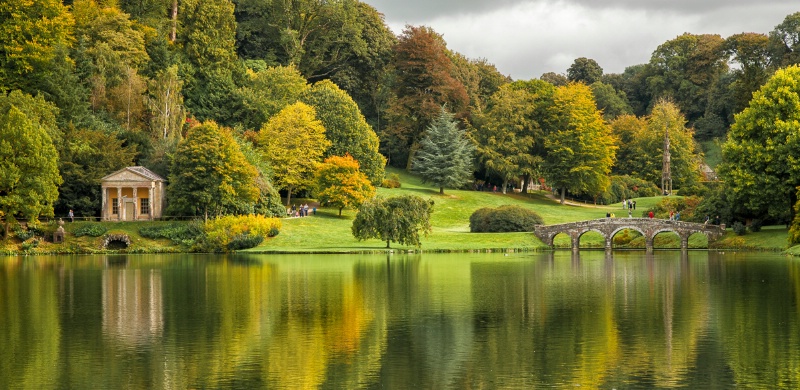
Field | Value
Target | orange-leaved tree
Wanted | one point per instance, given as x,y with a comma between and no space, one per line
341,184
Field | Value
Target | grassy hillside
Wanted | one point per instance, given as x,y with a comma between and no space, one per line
450,220
328,232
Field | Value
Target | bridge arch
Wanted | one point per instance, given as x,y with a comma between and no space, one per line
613,234
582,232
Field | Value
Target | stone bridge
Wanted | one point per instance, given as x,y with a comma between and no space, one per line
648,227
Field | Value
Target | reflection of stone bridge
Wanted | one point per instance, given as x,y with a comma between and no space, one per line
609,227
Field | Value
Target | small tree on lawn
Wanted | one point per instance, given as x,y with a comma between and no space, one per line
399,219
341,184
445,156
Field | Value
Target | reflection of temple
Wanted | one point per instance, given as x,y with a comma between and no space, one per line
133,309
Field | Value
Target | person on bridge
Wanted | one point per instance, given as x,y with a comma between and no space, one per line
650,215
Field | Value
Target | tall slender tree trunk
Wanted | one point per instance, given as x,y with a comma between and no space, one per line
174,32
525,180
387,244
563,191
441,190
505,185
289,196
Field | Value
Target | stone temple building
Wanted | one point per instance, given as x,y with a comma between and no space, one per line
133,194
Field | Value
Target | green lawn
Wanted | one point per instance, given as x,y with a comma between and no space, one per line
328,232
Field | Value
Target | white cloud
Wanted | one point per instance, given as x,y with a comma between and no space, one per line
528,38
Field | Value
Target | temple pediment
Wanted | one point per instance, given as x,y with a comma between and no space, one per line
132,174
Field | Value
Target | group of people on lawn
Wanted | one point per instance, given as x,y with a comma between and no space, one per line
299,210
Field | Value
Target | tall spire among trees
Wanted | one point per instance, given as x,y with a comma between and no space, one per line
666,173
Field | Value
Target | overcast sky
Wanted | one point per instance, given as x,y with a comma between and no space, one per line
525,38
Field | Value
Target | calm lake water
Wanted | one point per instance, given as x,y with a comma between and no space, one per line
483,321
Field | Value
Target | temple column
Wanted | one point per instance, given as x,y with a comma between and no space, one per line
120,206
104,209
135,203
153,199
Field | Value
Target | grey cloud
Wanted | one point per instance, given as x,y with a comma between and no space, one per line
419,11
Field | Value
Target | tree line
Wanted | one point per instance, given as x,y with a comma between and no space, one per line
263,92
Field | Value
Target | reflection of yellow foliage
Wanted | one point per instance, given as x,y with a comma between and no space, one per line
300,359
597,357
314,332
345,335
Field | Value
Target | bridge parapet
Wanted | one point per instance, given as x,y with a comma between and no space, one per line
648,227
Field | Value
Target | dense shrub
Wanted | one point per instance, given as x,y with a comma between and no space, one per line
22,234
696,189
244,241
755,225
391,181
509,218
179,233
273,231
220,232
739,228
91,230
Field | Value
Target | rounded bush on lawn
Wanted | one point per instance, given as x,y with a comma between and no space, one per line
509,218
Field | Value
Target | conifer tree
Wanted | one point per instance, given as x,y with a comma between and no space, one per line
445,157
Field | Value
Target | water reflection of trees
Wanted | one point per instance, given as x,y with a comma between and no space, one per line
589,319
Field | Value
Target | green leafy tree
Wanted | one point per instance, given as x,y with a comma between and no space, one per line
341,184
784,42
585,70
686,69
167,113
629,132
640,143
445,156
109,51
346,128
36,109
760,158
541,121
507,138
580,152
86,156
293,141
29,177
558,80
210,174
31,31
208,38
611,102
269,91
751,52
269,200
398,219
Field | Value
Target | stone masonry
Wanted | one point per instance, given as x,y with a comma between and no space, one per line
648,227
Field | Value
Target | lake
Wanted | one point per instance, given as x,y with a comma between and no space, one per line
427,321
